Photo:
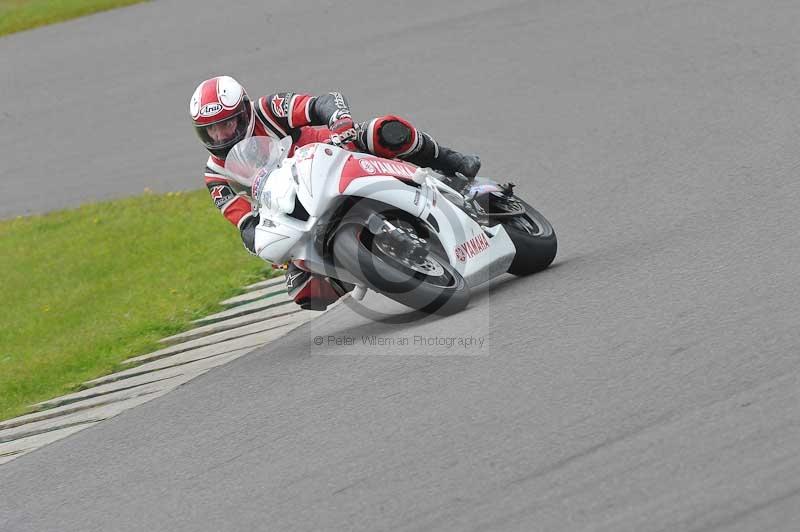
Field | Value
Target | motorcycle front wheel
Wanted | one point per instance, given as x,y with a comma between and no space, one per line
429,284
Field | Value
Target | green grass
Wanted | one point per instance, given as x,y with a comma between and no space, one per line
84,289
19,15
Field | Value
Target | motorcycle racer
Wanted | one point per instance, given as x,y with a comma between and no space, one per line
223,115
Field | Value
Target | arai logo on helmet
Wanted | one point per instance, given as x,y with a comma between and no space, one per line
211,109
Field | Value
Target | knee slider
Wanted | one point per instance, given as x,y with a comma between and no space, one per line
394,133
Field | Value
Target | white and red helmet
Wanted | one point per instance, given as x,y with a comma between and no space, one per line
221,113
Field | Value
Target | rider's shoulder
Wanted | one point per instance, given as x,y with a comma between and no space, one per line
215,164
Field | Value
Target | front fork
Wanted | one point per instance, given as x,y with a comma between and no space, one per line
399,240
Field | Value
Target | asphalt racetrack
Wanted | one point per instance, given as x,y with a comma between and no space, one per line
648,381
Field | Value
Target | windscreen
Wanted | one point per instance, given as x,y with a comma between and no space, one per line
256,156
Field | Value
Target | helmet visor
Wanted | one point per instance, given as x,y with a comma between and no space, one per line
225,133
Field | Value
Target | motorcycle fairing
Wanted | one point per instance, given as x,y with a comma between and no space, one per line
322,174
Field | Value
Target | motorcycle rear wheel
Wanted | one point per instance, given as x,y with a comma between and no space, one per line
532,234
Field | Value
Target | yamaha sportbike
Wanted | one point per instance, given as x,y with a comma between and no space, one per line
409,233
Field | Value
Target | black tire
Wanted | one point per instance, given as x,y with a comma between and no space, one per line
534,238
444,294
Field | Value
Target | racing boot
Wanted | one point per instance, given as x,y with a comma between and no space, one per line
444,159
311,291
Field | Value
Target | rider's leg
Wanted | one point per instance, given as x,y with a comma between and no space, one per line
393,137
311,291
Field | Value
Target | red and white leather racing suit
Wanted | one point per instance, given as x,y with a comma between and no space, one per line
307,119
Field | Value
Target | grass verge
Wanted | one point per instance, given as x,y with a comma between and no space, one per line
87,288
19,15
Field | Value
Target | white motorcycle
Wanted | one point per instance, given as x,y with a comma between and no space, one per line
409,233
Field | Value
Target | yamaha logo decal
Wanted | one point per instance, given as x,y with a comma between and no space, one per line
367,166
